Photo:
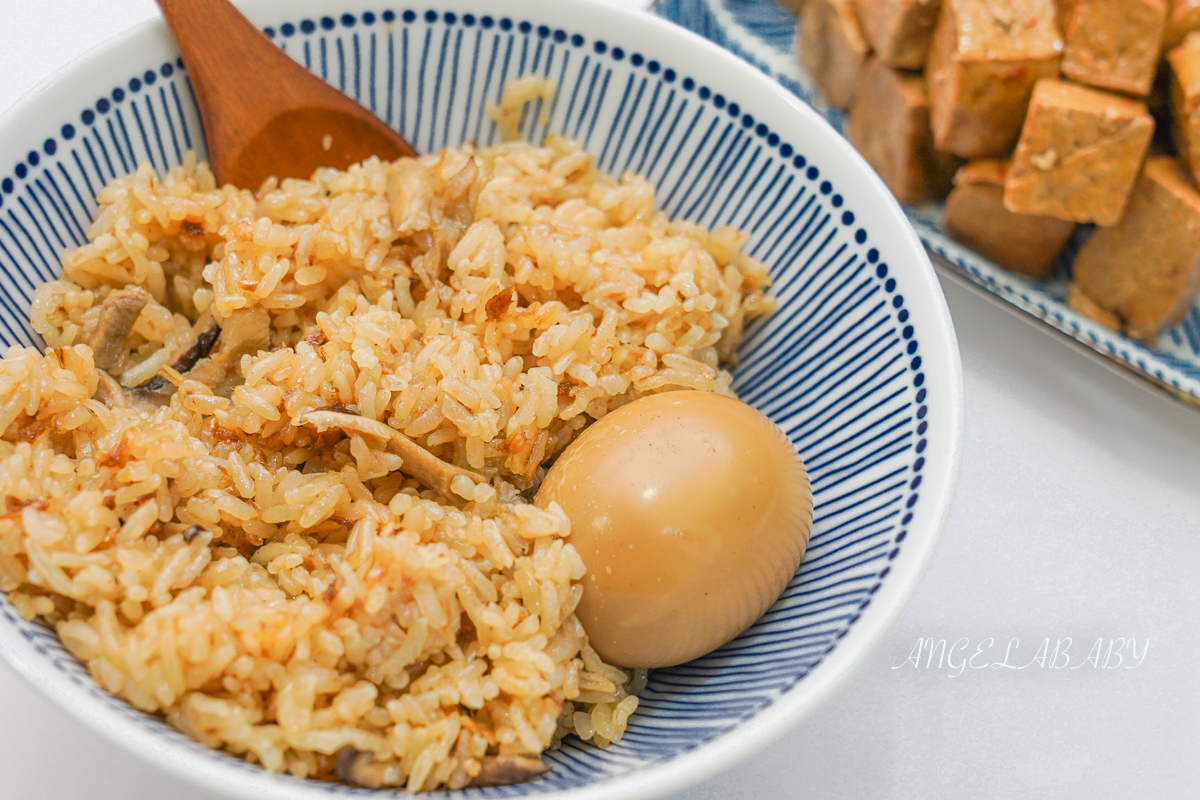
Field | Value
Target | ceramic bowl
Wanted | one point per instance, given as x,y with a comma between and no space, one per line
764,34
859,365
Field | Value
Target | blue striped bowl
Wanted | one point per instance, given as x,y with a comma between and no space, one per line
859,365
763,34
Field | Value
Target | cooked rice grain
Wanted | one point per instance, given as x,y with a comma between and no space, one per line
289,595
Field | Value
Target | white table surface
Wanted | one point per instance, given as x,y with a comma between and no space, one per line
1077,515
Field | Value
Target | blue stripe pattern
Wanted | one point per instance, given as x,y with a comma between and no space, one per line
762,33
838,367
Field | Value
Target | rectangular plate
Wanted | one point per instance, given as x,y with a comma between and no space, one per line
765,35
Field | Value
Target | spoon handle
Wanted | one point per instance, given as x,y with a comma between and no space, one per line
263,113
222,51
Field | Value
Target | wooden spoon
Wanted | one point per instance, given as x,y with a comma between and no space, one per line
263,113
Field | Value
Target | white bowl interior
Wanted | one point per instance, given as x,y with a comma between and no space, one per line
859,365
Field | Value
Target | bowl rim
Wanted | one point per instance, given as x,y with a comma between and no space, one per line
751,734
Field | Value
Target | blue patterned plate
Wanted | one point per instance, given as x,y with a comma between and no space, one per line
762,33
859,365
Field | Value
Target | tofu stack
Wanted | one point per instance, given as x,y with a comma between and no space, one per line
1031,118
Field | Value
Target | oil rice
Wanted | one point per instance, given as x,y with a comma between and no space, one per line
287,594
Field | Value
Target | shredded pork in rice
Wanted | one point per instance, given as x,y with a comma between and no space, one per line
270,477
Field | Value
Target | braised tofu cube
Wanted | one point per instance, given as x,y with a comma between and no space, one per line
832,48
1079,154
889,125
1146,269
985,58
1064,8
1080,302
1184,61
975,215
899,30
1183,17
1114,44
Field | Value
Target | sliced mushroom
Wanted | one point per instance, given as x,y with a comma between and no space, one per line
419,463
110,392
506,769
204,336
359,768
118,314
245,332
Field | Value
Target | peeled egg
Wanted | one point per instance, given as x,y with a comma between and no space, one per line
691,512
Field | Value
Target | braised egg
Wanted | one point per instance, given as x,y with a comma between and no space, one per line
691,511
